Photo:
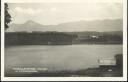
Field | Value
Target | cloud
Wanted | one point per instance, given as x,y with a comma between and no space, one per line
29,11
53,9
55,13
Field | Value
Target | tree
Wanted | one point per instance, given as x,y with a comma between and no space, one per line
7,17
0,15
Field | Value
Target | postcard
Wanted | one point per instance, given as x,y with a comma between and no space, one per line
63,40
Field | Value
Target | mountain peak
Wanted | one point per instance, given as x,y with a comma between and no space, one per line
95,25
30,21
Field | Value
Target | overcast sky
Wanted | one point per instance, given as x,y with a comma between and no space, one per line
55,13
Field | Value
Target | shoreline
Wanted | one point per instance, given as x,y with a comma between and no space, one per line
67,44
89,72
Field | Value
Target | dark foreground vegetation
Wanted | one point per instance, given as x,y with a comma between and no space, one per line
62,38
46,38
116,71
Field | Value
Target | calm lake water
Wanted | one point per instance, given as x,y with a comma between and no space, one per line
59,57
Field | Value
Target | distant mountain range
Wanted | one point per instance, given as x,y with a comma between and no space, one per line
95,25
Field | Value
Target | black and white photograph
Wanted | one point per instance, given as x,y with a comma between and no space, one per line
63,39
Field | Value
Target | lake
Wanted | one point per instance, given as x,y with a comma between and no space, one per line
58,57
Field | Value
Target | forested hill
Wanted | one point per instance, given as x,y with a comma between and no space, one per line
87,33
59,38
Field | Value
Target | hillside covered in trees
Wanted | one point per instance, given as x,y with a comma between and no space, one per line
62,38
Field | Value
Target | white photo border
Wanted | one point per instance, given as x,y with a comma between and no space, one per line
124,78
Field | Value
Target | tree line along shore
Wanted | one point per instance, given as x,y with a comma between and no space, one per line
62,38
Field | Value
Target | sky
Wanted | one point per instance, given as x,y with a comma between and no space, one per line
55,13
